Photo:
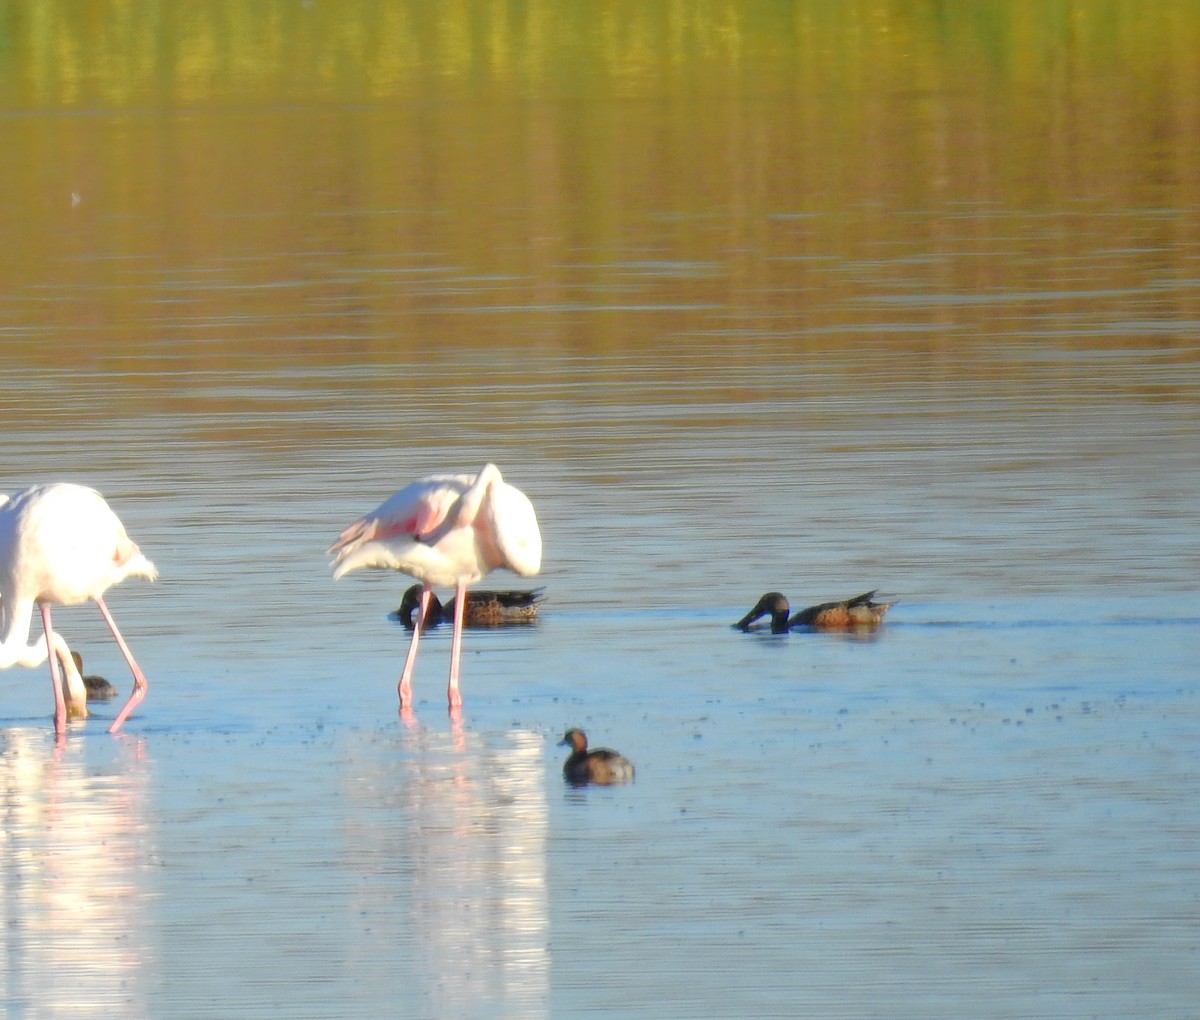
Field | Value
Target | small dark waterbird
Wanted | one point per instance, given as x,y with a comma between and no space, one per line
98,689
862,611
601,765
483,608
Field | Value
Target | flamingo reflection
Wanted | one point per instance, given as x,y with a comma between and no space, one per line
72,878
449,843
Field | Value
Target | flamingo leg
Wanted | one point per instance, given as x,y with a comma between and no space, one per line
404,688
60,704
460,606
139,678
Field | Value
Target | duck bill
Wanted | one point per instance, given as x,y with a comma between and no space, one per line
757,613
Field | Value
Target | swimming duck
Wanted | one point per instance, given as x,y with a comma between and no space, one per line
484,608
600,765
860,611
98,689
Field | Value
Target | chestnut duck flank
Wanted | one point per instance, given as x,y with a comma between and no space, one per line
484,608
862,611
601,765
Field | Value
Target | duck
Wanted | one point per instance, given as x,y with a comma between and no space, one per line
862,611
98,689
484,608
601,765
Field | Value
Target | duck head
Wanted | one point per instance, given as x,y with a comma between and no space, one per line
773,603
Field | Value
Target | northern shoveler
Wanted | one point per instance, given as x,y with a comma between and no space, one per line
861,611
483,609
601,765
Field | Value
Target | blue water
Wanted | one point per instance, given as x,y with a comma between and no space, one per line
990,808
990,804
994,807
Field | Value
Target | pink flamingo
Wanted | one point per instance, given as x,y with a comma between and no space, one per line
444,530
62,543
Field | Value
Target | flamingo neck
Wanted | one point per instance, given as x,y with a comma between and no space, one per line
472,499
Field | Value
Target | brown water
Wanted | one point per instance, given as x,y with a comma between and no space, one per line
816,299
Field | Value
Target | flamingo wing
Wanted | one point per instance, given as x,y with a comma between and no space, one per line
415,510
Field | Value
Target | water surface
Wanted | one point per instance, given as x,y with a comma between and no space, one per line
742,308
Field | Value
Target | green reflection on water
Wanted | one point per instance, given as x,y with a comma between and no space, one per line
191,183
127,54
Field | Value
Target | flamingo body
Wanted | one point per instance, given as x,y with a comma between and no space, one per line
445,530
62,543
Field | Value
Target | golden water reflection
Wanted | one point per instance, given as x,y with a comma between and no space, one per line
396,183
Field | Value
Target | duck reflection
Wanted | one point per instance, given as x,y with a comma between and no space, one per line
450,848
74,860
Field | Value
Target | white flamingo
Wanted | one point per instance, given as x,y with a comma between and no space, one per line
444,530
62,543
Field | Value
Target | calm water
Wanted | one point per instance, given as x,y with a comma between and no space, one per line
730,336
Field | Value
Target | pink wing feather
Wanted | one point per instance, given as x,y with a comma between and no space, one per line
415,510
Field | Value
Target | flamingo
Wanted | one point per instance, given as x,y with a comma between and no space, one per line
862,611
444,530
62,543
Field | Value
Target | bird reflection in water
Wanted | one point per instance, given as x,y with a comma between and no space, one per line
73,878
449,841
